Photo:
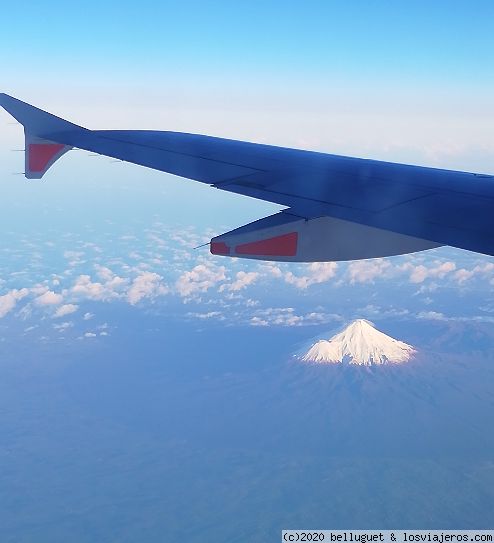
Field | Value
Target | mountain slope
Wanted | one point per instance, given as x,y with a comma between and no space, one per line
363,344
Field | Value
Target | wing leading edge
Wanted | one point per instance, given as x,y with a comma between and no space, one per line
339,208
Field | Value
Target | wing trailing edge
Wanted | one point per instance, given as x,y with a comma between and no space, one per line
287,238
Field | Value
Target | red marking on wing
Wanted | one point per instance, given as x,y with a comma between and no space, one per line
219,248
285,245
41,153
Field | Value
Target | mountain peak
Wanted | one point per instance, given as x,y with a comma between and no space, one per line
363,344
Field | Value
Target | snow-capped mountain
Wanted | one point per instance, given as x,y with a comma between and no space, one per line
363,344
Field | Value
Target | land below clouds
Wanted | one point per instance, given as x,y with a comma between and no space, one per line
241,387
159,430
435,406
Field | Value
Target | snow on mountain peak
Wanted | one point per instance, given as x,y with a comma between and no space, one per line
363,344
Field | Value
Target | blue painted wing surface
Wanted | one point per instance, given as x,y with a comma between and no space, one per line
422,207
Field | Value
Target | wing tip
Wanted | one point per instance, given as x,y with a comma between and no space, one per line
6,98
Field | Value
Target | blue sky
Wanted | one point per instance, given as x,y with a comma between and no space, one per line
408,42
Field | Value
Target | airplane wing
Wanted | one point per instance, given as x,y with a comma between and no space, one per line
338,208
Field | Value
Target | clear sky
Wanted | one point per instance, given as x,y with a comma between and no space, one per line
382,42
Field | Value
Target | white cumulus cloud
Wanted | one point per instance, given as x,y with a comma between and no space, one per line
271,269
72,254
420,273
49,298
365,271
8,301
65,310
104,273
146,285
243,279
39,289
256,321
319,272
462,275
199,279
284,316
98,291
431,315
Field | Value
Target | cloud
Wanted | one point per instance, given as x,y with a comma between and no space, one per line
243,279
97,291
72,254
365,271
319,273
65,310
8,301
288,320
39,289
49,298
376,311
87,316
270,269
180,254
256,321
431,315
420,273
104,273
462,275
63,326
76,256
205,315
89,334
199,279
146,285
186,239
25,312
156,239
432,287
286,316
280,316
315,316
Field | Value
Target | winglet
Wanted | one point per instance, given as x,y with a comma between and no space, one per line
41,151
